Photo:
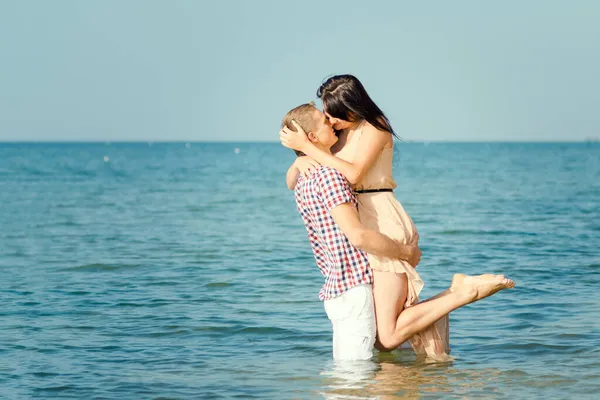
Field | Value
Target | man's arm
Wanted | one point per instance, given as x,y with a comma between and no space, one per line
371,241
291,177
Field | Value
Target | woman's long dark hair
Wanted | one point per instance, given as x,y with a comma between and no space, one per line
344,97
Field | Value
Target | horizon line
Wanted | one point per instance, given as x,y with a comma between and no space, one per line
420,141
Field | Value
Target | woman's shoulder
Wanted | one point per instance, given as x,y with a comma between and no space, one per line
371,132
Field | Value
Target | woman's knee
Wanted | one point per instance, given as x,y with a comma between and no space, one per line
385,342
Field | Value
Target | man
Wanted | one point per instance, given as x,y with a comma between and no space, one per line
339,242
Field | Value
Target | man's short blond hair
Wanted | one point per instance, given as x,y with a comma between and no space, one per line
304,115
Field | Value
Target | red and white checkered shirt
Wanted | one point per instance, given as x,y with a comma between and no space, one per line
343,265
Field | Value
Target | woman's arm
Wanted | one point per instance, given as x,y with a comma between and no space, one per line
371,144
302,165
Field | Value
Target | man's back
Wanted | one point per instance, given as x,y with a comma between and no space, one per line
343,265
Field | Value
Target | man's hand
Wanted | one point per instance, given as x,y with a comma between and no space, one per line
414,255
414,252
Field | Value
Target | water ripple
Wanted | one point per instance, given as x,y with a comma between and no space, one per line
172,272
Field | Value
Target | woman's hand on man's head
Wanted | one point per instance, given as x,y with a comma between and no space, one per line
293,140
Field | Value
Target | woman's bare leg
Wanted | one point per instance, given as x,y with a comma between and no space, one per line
464,290
389,294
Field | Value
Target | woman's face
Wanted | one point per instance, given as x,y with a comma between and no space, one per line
336,123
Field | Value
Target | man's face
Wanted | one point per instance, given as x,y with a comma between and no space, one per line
323,130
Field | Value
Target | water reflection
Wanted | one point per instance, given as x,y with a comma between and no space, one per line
402,376
348,380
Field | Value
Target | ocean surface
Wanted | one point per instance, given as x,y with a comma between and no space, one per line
183,271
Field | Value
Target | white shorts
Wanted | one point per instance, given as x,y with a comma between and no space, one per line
353,318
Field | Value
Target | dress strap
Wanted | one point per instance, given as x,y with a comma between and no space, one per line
357,135
362,124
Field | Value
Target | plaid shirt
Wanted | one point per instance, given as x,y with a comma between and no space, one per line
343,265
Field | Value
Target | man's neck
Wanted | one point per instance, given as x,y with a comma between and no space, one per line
324,148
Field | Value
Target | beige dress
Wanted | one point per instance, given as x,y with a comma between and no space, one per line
382,212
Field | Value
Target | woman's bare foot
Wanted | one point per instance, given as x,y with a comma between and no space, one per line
479,287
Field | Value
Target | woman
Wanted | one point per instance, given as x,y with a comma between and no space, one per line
363,154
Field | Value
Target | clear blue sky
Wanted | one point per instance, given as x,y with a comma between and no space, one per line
229,70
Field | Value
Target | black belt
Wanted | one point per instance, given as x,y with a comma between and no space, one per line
373,190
